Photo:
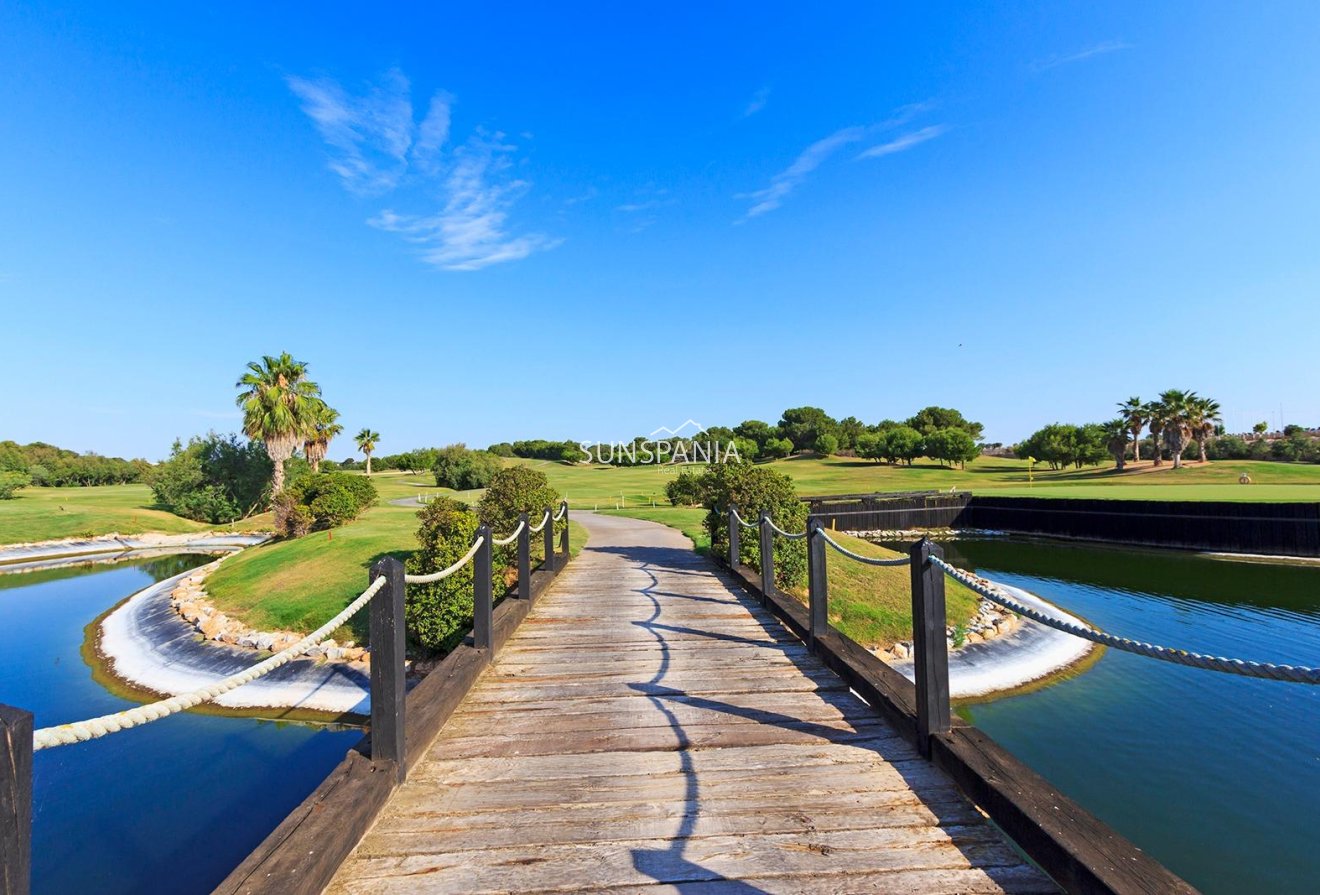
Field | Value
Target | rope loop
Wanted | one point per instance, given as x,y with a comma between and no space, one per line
869,560
446,572
1246,668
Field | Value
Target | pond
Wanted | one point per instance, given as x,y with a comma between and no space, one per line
182,799
1215,775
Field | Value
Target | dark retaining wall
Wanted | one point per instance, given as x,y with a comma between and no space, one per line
1288,529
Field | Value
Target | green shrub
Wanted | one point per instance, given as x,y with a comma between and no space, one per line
753,489
213,478
329,498
292,518
827,444
777,448
439,614
512,492
684,490
333,508
464,470
10,482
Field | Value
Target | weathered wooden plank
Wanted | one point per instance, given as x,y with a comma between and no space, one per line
973,881
716,857
15,801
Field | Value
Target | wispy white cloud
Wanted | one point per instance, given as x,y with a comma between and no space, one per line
1100,49
783,184
470,232
905,141
789,179
757,102
378,147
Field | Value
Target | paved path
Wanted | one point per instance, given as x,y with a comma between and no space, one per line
649,729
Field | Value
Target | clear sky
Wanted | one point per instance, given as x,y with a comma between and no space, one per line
480,222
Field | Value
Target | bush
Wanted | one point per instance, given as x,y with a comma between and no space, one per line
684,490
753,489
10,482
214,478
512,492
292,519
438,614
776,448
332,498
464,470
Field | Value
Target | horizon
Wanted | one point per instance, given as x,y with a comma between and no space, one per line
1027,215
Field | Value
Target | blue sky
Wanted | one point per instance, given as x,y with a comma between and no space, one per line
479,223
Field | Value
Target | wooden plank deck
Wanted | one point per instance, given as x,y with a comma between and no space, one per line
649,729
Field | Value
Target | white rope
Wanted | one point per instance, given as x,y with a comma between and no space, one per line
501,542
92,728
445,573
563,510
869,560
1246,668
776,528
535,529
741,521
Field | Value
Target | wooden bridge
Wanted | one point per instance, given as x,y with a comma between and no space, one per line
645,720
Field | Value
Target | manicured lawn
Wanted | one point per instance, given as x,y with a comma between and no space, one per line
603,487
298,584
42,514
870,604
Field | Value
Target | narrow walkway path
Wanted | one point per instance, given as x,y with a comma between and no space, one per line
649,729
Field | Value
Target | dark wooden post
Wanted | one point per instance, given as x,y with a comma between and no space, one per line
817,583
15,801
524,559
563,541
482,605
931,659
387,675
734,536
549,532
767,558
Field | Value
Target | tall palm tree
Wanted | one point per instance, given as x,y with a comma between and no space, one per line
278,402
324,430
366,442
1205,414
1134,414
1116,439
1156,419
1177,421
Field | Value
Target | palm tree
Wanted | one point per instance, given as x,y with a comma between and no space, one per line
366,442
1177,406
1134,415
1116,439
324,430
1156,419
1203,418
278,402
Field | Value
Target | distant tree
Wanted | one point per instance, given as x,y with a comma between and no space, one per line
931,419
279,404
756,430
904,443
871,446
803,425
827,444
1293,429
1176,405
464,470
1202,418
951,446
1134,414
324,429
1116,433
776,448
366,442
11,482
1261,428
502,449
849,428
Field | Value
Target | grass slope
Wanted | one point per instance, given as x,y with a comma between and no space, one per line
870,604
43,514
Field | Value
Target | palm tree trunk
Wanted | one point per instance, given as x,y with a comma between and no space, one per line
1136,445
277,477
368,466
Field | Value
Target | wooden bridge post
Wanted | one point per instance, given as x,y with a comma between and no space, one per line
387,675
483,609
524,558
735,552
931,648
818,593
15,801
767,558
549,531
563,541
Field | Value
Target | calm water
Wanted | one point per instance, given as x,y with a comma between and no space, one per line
171,806
1215,775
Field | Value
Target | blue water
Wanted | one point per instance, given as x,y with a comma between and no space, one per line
1215,775
169,807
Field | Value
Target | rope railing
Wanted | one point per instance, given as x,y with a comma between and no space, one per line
741,521
93,728
1244,667
563,510
513,536
869,560
784,534
545,519
444,573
